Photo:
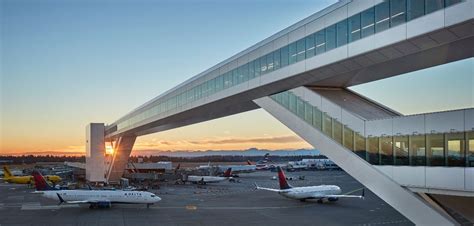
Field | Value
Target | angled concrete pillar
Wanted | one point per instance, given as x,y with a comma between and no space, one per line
403,200
123,148
95,152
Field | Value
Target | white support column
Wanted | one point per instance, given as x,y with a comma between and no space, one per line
95,152
400,198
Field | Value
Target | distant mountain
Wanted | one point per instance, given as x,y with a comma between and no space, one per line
248,152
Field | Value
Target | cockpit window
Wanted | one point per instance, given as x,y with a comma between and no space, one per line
153,196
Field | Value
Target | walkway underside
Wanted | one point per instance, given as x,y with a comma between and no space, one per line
341,150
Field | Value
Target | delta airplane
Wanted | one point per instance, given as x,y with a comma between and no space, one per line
209,179
10,178
95,198
321,193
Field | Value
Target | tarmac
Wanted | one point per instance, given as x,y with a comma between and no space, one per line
225,203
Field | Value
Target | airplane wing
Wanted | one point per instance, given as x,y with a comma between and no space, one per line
346,196
267,189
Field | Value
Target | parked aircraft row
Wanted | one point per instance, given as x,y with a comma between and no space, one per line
10,178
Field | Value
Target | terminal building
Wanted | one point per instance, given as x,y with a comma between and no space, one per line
422,165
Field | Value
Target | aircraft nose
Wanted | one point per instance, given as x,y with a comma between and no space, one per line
157,199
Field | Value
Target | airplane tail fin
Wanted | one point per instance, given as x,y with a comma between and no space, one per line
6,172
249,163
177,168
282,179
228,172
40,183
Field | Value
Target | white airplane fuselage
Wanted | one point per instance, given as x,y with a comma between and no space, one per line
310,192
112,196
205,179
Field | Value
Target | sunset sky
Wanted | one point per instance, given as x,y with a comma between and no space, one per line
67,63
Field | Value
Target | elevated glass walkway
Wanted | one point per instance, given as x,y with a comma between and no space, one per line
449,149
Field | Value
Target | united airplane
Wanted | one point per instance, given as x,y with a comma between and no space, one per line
320,193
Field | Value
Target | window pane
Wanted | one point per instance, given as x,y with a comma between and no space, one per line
310,48
360,146
354,28
433,5
300,108
219,83
348,138
417,150
284,56
382,16
211,86
341,33
292,102
228,79
327,125
276,59
415,9
330,37
456,149
284,99
235,77
317,118
435,147
400,150
300,49
263,65
470,146
308,113
386,151
337,131
257,67
367,22
320,42
269,62
245,72
251,70
373,152
293,53
397,12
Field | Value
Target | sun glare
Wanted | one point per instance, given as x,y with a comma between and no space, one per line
109,150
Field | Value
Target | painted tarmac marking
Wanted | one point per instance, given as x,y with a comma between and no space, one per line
48,207
193,207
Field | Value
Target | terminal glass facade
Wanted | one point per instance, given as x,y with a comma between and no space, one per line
382,16
454,149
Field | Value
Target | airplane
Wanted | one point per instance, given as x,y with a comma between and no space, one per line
321,193
236,169
10,178
95,198
209,179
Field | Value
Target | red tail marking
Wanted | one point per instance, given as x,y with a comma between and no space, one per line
228,172
282,179
40,182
